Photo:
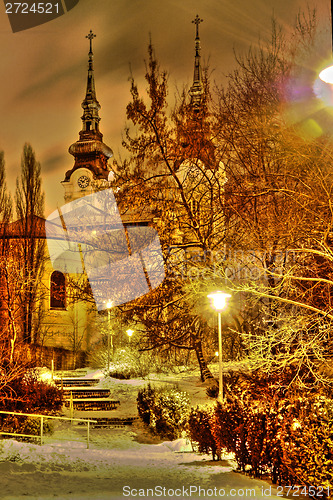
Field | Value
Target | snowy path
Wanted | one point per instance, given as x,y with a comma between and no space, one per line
120,464
116,466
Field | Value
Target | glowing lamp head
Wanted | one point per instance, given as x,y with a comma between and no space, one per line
109,304
129,332
326,75
219,299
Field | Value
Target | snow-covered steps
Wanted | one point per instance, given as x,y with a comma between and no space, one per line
94,404
84,392
113,422
71,373
76,382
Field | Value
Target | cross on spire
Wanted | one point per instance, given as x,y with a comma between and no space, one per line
90,37
197,21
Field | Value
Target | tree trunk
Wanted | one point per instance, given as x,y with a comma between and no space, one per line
197,344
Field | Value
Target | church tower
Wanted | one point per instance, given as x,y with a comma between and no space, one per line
90,170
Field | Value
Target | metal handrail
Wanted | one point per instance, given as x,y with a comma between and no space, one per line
88,421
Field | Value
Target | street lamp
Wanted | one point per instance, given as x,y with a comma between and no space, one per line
129,333
109,305
219,302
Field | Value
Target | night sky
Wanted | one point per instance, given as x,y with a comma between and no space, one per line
43,69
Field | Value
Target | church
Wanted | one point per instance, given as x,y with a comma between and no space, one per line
95,258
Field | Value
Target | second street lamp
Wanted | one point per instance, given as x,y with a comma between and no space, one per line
129,333
219,302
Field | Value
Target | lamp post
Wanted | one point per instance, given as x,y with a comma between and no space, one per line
219,302
109,305
129,333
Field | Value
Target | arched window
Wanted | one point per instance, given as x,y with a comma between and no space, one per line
58,290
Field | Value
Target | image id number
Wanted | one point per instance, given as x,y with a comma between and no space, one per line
303,491
35,8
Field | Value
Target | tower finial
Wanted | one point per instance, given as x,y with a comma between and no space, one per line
196,90
90,37
197,21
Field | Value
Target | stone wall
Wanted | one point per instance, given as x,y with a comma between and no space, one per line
63,359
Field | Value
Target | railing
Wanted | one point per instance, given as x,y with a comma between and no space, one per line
42,417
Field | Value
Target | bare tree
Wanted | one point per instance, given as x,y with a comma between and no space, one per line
30,246
277,196
174,178
12,360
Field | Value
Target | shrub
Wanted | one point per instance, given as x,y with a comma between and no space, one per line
212,391
30,395
122,374
251,429
229,428
307,444
24,425
200,430
145,403
288,440
129,363
32,426
271,452
164,410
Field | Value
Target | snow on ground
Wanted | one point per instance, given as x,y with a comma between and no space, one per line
121,462
114,466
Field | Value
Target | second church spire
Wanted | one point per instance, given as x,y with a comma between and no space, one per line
196,90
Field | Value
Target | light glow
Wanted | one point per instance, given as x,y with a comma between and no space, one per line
219,299
129,332
326,75
109,304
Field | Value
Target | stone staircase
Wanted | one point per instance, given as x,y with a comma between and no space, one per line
85,396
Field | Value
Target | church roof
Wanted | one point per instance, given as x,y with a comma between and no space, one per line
31,227
35,227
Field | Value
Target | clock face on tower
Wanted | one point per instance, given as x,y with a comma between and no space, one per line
83,181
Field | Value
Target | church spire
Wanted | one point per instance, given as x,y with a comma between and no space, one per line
90,105
90,153
196,90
